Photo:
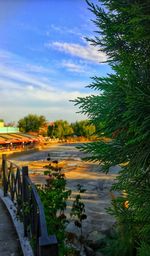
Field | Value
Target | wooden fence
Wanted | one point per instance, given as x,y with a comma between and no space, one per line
17,185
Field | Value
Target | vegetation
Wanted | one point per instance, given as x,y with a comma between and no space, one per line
62,129
54,196
31,123
78,210
83,128
123,107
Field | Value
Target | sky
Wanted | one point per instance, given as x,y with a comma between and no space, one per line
45,60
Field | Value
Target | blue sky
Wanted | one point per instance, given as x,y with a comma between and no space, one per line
44,58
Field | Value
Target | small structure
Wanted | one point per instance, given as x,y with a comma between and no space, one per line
11,138
1,123
7,129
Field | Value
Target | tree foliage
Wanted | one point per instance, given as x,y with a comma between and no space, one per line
60,129
83,128
31,122
123,106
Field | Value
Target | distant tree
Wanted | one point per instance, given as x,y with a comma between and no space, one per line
83,128
50,130
60,129
43,129
31,122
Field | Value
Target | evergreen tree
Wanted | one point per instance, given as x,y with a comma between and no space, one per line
123,106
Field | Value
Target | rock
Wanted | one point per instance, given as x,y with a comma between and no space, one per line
115,169
106,225
100,185
89,251
110,232
82,251
71,228
95,239
98,254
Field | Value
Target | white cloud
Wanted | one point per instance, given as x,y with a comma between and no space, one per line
10,59
38,69
14,68
23,77
63,30
23,92
86,52
69,65
54,104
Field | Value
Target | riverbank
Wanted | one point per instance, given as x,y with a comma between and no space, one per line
97,196
97,184
19,152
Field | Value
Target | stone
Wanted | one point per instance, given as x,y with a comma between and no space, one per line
110,232
95,239
73,229
98,254
89,251
97,184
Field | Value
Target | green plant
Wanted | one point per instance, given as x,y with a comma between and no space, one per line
54,196
124,238
78,210
144,249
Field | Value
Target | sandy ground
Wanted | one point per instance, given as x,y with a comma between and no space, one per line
97,184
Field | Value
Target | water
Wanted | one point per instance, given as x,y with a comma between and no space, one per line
59,152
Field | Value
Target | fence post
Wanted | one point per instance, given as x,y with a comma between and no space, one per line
25,197
49,247
4,172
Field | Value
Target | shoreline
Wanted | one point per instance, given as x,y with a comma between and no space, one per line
97,184
16,153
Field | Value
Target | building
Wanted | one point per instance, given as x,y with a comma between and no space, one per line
7,129
11,138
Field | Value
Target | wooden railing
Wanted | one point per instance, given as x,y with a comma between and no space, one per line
17,185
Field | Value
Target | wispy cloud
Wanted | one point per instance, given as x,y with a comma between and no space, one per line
63,30
17,102
14,68
38,68
73,67
23,77
22,92
86,52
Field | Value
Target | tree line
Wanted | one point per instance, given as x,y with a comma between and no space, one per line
58,129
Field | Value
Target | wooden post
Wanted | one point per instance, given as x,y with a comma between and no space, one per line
25,197
49,247
4,172
48,250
